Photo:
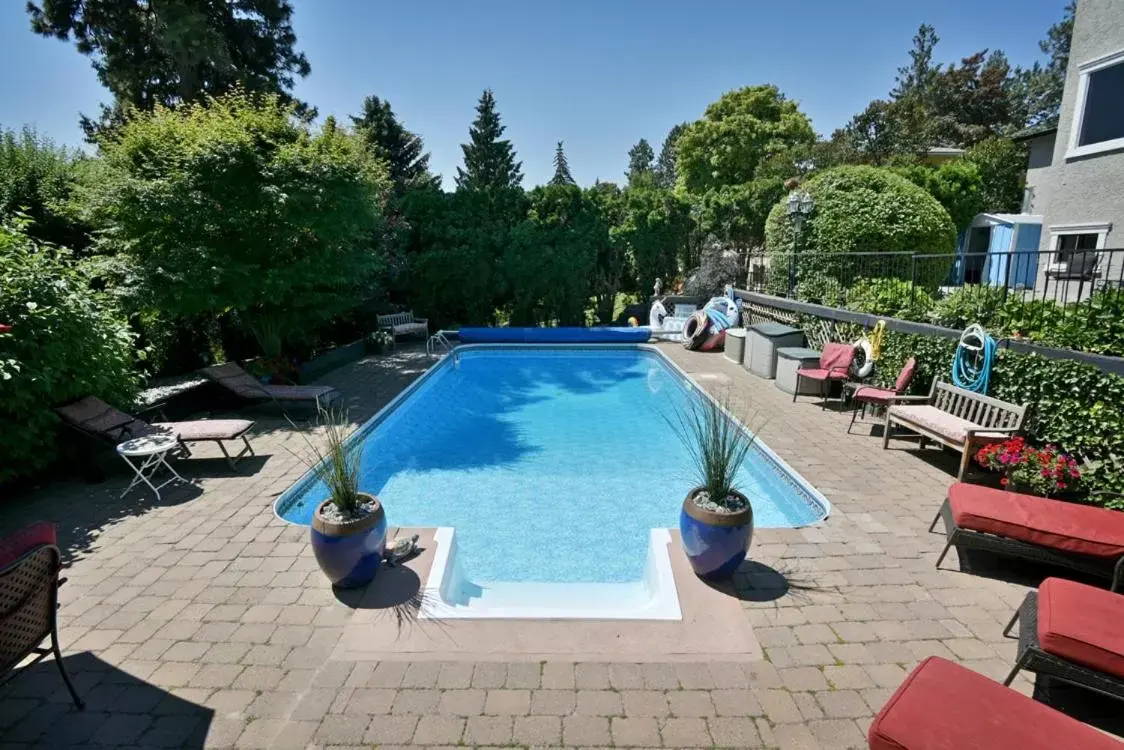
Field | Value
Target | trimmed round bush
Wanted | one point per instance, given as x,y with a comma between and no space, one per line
860,209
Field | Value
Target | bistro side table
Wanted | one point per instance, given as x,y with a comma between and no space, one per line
146,456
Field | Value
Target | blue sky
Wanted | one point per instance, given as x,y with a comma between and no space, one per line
597,74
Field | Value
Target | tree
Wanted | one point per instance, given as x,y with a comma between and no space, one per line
665,164
489,160
863,209
968,103
640,159
955,184
1002,167
875,136
913,80
176,51
66,341
232,205
39,179
389,140
612,255
1039,88
655,226
735,134
562,174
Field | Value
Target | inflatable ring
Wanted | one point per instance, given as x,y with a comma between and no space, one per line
868,357
694,330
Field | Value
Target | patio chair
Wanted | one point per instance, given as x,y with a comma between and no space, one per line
1071,632
29,586
865,395
944,706
835,365
97,419
1077,537
244,385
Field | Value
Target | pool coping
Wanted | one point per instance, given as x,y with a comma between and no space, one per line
808,492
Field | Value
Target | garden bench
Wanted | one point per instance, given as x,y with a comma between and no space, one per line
403,324
956,418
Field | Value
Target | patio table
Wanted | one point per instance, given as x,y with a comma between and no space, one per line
146,456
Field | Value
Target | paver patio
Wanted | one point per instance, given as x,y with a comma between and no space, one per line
203,621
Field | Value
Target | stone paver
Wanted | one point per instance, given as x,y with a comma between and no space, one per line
203,621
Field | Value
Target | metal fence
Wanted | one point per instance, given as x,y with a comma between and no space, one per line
1068,278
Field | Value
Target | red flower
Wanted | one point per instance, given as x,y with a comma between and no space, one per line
1003,482
4,328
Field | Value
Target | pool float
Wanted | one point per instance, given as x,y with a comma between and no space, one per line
706,329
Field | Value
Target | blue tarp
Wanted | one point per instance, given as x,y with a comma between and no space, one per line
561,335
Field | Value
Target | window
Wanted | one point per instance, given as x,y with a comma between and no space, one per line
1098,117
1076,249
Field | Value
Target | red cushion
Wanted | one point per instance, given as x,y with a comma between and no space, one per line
874,395
943,706
1082,624
13,547
837,356
815,373
1049,523
905,376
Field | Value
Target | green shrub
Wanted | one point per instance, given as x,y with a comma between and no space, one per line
969,304
892,298
861,209
233,205
821,290
66,341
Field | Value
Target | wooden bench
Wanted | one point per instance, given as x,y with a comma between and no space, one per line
956,418
403,324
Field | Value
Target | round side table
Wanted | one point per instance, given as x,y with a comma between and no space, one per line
146,456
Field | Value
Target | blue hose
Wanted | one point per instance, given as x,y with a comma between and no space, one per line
971,365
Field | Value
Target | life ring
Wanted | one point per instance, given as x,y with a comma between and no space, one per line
867,349
695,330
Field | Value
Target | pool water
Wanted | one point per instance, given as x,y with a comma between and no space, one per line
552,463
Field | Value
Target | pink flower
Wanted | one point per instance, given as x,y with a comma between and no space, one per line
1046,472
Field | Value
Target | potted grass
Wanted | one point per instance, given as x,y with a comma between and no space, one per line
716,521
349,528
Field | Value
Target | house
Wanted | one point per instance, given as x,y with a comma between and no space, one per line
1075,171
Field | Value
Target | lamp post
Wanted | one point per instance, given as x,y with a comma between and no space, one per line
798,207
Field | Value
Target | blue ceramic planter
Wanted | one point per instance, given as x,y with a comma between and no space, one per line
715,543
350,553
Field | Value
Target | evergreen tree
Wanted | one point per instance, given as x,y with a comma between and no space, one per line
1037,91
390,141
562,174
914,79
665,165
640,158
177,50
489,160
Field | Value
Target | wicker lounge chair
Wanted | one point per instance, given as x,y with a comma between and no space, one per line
92,416
1078,537
944,706
835,365
865,395
29,586
1072,632
244,385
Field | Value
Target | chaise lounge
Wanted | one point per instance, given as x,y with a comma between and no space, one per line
1072,632
244,385
95,418
943,706
1078,537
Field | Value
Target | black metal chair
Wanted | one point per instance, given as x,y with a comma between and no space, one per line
29,585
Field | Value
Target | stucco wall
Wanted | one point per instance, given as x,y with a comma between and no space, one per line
1087,189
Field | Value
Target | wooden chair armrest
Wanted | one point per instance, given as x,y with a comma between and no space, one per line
1004,430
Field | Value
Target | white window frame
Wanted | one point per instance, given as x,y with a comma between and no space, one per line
1084,69
1057,231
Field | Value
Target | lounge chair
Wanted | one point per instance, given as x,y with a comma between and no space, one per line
944,706
865,395
835,365
99,420
1078,537
29,588
244,385
1072,632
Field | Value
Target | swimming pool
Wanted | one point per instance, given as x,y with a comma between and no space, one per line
553,464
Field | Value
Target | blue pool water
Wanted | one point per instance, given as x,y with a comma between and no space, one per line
552,464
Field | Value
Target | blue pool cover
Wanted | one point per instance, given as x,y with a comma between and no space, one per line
560,335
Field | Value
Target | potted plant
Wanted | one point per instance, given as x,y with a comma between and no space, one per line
1045,472
379,341
716,521
349,528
